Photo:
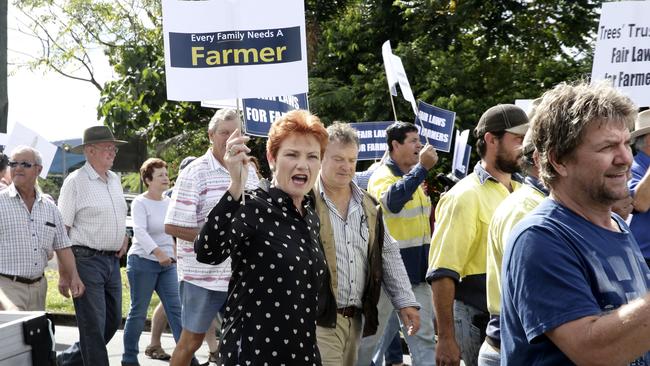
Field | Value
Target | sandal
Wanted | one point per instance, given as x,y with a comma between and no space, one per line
156,353
211,359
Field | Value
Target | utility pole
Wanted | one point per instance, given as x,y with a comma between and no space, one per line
4,98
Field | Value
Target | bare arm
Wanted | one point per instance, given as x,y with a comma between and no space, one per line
642,194
616,338
69,281
447,350
185,233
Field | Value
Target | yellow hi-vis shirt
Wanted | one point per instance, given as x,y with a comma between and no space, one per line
506,216
459,242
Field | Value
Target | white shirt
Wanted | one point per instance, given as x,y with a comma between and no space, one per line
94,210
198,189
26,238
149,227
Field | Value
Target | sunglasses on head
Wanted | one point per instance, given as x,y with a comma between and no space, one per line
23,164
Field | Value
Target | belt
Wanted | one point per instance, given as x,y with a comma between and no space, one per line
108,253
25,280
496,344
349,312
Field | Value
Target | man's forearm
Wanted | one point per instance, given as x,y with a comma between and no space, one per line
444,290
185,233
66,263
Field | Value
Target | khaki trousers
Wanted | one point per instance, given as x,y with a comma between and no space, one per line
338,346
16,296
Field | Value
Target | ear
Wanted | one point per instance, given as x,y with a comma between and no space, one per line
558,166
489,138
394,144
271,160
39,170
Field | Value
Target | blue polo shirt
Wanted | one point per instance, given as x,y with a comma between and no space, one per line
640,225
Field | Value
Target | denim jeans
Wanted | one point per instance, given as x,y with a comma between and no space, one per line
488,356
421,345
145,276
98,311
468,335
394,353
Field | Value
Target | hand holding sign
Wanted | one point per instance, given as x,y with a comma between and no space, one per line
428,157
235,161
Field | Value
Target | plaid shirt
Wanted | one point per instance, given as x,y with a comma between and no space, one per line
27,238
94,210
198,189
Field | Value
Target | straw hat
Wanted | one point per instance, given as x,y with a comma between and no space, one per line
642,124
95,135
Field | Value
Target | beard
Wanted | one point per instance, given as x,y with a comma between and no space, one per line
507,164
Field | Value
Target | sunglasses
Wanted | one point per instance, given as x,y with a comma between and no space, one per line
23,164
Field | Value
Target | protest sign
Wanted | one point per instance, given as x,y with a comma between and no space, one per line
220,103
234,49
435,125
622,52
21,135
260,113
462,153
395,73
372,139
525,104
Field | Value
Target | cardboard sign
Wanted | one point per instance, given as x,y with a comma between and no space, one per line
221,49
395,73
372,139
622,52
435,125
260,113
21,135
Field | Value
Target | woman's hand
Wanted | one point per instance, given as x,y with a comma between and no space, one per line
163,258
236,162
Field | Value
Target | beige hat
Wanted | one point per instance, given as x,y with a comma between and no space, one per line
642,124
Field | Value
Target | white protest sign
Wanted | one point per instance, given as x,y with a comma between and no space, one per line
395,73
458,162
220,103
622,52
3,139
525,104
220,49
21,135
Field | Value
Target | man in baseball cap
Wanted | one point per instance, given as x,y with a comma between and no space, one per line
640,183
457,259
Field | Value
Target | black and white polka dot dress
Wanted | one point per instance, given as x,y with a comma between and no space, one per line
277,270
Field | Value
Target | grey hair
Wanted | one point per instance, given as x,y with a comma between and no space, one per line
343,133
564,114
38,159
220,116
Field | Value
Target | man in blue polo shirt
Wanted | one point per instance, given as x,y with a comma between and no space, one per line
574,284
640,184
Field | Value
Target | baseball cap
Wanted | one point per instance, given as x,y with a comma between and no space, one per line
502,117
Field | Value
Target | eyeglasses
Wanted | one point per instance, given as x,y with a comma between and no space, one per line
24,164
113,149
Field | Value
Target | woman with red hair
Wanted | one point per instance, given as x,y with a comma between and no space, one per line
271,235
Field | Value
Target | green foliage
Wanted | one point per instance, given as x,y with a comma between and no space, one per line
131,183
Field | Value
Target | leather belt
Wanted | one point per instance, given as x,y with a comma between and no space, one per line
25,280
349,312
108,253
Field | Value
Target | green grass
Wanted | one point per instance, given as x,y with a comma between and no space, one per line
56,303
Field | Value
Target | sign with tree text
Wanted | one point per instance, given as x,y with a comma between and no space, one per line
435,125
372,139
221,49
622,52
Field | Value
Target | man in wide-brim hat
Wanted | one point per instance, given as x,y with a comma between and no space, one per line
640,183
94,212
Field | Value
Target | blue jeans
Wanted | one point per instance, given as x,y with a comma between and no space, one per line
145,276
199,306
98,311
488,356
468,335
421,345
394,352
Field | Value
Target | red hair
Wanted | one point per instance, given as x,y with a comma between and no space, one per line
299,122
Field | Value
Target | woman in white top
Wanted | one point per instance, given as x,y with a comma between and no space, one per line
151,263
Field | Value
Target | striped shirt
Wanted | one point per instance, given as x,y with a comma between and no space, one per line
351,238
94,210
198,189
26,237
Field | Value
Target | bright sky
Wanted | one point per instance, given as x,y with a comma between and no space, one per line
54,106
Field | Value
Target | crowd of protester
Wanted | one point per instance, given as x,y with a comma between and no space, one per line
530,262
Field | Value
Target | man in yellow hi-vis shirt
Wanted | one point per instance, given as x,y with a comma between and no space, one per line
458,247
